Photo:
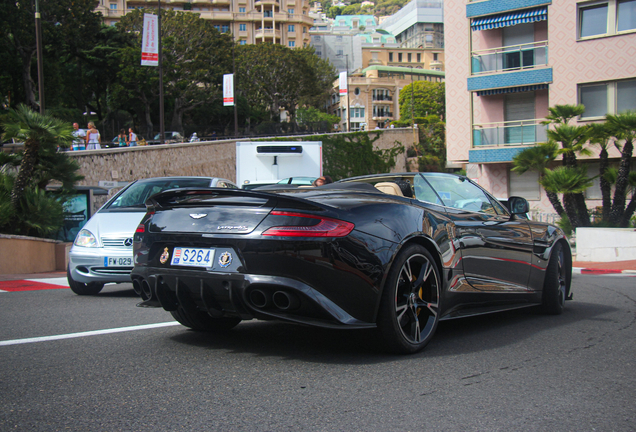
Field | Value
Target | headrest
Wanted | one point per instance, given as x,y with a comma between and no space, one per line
389,188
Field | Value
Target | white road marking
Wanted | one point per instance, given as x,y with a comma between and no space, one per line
88,333
62,281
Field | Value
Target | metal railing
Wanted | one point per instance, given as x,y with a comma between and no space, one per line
510,133
508,58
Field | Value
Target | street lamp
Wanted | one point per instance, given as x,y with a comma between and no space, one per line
38,47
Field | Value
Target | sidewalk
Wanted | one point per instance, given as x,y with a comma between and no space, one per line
582,267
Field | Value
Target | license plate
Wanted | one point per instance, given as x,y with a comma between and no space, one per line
193,257
118,262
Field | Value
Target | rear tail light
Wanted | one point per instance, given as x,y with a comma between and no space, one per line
141,228
326,227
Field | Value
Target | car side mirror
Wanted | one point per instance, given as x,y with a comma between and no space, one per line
518,205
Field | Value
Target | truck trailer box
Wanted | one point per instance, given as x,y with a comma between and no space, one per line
274,160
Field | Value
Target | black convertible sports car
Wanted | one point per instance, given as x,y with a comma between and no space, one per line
399,252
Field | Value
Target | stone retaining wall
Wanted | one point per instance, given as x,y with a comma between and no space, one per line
210,158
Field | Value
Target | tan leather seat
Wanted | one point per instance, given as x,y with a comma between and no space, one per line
389,188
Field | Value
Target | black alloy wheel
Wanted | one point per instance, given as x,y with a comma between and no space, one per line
555,283
409,310
79,288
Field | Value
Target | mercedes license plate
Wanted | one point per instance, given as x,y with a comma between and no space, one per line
118,262
193,257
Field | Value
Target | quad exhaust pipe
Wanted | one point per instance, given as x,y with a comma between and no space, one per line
142,289
281,300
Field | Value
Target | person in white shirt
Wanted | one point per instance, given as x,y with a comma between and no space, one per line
132,138
93,138
79,142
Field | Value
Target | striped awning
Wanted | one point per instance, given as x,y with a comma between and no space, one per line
512,90
510,19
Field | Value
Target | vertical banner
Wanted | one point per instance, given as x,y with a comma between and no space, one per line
150,41
228,90
343,83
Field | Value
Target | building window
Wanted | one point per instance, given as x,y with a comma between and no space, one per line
409,57
217,27
241,10
268,14
357,112
606,18
242,27
419,58
390,56
113,6
290,11
613,97
339,53
435,56
292,44
242,42
304,29
291,28
356,91
319,53
225,28
400,57
525,185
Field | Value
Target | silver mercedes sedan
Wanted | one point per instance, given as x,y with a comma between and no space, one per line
102,250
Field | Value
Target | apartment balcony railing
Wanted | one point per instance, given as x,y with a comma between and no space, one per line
381,115
268,33
510,133
381,98
509,58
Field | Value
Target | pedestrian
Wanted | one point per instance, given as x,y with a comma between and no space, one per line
213,135
79,140
322,180
93,139
121,138
132,138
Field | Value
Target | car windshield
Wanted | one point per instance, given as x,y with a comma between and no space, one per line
137,194
454,191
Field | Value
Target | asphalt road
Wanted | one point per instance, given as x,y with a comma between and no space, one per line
512,371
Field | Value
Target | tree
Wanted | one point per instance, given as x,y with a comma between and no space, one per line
65,23
24,206
568,181
623,128
195,57
539,158
428,99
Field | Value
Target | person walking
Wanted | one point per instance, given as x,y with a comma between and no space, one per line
79,142
93,139
122,138
132,138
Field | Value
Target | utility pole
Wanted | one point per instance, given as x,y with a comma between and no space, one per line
412,108
162,127
348,96
38,46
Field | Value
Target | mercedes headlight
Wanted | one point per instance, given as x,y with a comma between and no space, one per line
85,238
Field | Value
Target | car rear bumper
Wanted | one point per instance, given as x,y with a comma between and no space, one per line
240,295
88,265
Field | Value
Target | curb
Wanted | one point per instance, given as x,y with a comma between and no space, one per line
595,271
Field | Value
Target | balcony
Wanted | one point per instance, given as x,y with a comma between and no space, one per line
382,115
382,98
510,58
266,2
267,33
511,133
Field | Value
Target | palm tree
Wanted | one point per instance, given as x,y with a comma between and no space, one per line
539,158
623,128
573,140
569,181
40,132
631,207
562,114
600,134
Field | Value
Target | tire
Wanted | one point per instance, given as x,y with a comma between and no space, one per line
410,304
201,321
555,285
79,288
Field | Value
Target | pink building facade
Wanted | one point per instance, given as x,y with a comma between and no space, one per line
507,61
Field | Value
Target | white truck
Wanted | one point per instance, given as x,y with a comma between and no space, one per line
267,162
